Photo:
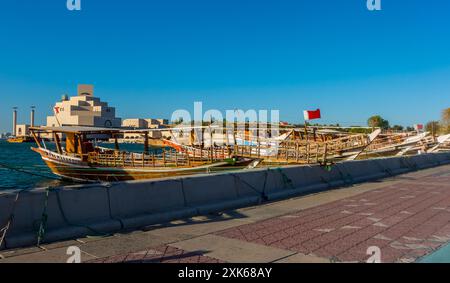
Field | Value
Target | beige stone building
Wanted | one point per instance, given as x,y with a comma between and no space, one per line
135,123
22,130
139,137
157,123
84,110
138,123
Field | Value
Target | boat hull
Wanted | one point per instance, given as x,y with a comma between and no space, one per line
75,169
20,140
120,174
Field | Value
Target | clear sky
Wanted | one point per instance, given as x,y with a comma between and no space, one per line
150,57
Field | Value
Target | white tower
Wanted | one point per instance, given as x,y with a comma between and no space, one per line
14,121
32,116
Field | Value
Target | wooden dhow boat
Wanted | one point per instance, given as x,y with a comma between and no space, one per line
400,144
75,157
290,146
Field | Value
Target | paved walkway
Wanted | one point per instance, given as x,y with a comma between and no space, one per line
406,217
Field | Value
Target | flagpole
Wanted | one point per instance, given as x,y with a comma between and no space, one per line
56,115
306,129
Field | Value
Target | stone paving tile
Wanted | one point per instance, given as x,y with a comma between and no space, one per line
406,220
161,254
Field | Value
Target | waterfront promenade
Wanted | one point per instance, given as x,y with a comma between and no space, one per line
407,217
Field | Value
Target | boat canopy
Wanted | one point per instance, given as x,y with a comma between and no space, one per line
98,130
76,141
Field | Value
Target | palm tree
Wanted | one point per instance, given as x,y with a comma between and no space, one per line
378,122
446,120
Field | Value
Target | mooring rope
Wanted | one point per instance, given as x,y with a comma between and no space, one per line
182,190
411,165
262,194
43,225
286,180
10,219
66,220
346,177
265,182
28,172
384,169
44,218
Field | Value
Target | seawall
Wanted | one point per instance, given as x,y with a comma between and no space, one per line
77,211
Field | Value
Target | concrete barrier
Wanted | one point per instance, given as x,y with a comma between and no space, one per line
200,190
75,211
364,170
146,197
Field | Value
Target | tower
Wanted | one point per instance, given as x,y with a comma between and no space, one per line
14,121
32,116
86,90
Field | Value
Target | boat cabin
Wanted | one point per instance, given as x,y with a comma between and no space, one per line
78,140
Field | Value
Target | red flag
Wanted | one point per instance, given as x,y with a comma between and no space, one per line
57,110
310,115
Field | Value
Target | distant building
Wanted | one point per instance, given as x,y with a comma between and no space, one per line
157,123
22,130
84,110
138,123
5,135
135,123
138,137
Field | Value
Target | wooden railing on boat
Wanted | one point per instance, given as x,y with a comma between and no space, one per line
291,151
165,158
295,151
307,152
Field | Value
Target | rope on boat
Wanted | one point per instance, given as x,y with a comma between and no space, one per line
27,172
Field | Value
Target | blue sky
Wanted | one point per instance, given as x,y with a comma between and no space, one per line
150,57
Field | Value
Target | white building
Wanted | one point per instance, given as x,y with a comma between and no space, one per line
84,110
5,135
157,123
135,123
138,123
22,130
